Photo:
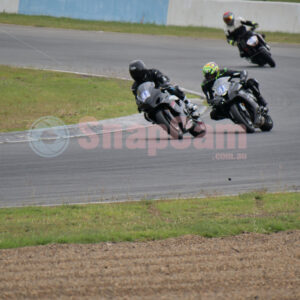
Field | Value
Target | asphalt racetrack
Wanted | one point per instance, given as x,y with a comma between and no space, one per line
161,168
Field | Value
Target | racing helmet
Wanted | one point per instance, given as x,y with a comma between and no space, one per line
137,70
210,70
228,18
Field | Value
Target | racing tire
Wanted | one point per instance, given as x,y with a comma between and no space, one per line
268,124
198,130
164,120
241,118
266,56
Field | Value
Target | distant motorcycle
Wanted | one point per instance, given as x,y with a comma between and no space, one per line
240,105
168,111
255,49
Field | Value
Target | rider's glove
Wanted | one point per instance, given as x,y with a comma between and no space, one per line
179,93
165,86
186,100
163,81
217,102
214,102
175,90
231,42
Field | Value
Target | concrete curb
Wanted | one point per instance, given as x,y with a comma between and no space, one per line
79,130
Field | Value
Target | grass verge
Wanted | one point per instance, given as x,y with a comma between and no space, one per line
27,95
293,1
149,220
190,31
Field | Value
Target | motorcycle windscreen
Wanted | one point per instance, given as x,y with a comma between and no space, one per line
221,86
144,91
253,41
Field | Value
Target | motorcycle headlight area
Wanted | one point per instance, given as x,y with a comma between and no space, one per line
253,41
143,96
221,90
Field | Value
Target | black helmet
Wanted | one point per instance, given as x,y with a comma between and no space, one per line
137,70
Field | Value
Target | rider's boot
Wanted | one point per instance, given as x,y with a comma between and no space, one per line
192,109
253,85
262,103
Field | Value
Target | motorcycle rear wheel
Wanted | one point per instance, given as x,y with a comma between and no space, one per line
268,124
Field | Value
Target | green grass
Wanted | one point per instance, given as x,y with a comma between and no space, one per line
190,31
149,220
27,95
294,1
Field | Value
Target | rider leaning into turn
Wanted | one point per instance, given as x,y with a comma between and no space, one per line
212,72
236,28
141,74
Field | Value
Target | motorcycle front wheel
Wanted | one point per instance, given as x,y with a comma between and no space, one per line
167,122
266,57
198,129
242,118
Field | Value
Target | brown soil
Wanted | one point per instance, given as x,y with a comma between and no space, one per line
249,266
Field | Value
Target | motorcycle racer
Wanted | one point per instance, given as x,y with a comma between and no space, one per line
140,73
236,29
212,72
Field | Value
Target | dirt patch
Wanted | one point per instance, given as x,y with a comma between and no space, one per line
249,266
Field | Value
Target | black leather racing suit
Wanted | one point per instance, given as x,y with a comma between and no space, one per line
160,80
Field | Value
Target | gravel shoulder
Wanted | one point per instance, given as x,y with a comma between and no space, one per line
248,266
